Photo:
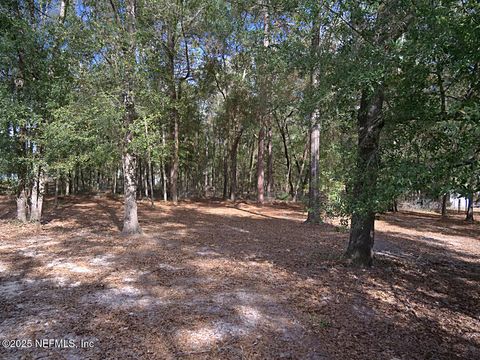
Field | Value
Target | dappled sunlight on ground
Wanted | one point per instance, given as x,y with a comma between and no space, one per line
234,280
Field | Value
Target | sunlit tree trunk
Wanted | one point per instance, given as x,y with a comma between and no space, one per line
130,220
314,194
22,203
67,184
37,193
114,186
314,180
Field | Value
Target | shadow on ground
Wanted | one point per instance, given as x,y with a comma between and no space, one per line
232,281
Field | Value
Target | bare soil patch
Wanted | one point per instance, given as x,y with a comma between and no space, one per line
221,280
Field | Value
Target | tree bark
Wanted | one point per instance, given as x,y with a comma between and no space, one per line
269,164
57,179
300,173
233,165
150,180
225,172
38,190
139,179
22,203
67,184
260,171
369,125
174,97
130,219
287,159
469,217
444,205
314,180
114,186
314,193
251,167
264,112
164,171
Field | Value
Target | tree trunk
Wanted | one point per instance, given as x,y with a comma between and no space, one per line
174,97
269,164
130,219
225,172
205,182
164,170
67,184
287,158
114,187
38,190
314,194
469,217
300,173
263,114
251,167
260,171
145,179
314,180
22,203
233,165
370,123
150,180
444,205
140,179
57,179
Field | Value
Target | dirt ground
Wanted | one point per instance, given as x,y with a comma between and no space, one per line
217,280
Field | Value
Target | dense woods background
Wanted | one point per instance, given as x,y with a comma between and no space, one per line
348,106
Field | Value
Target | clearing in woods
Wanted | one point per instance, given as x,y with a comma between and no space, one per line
221,280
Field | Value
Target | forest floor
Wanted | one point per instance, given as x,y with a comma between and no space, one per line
218,280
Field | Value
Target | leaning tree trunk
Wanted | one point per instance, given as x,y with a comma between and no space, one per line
469,217
370,123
